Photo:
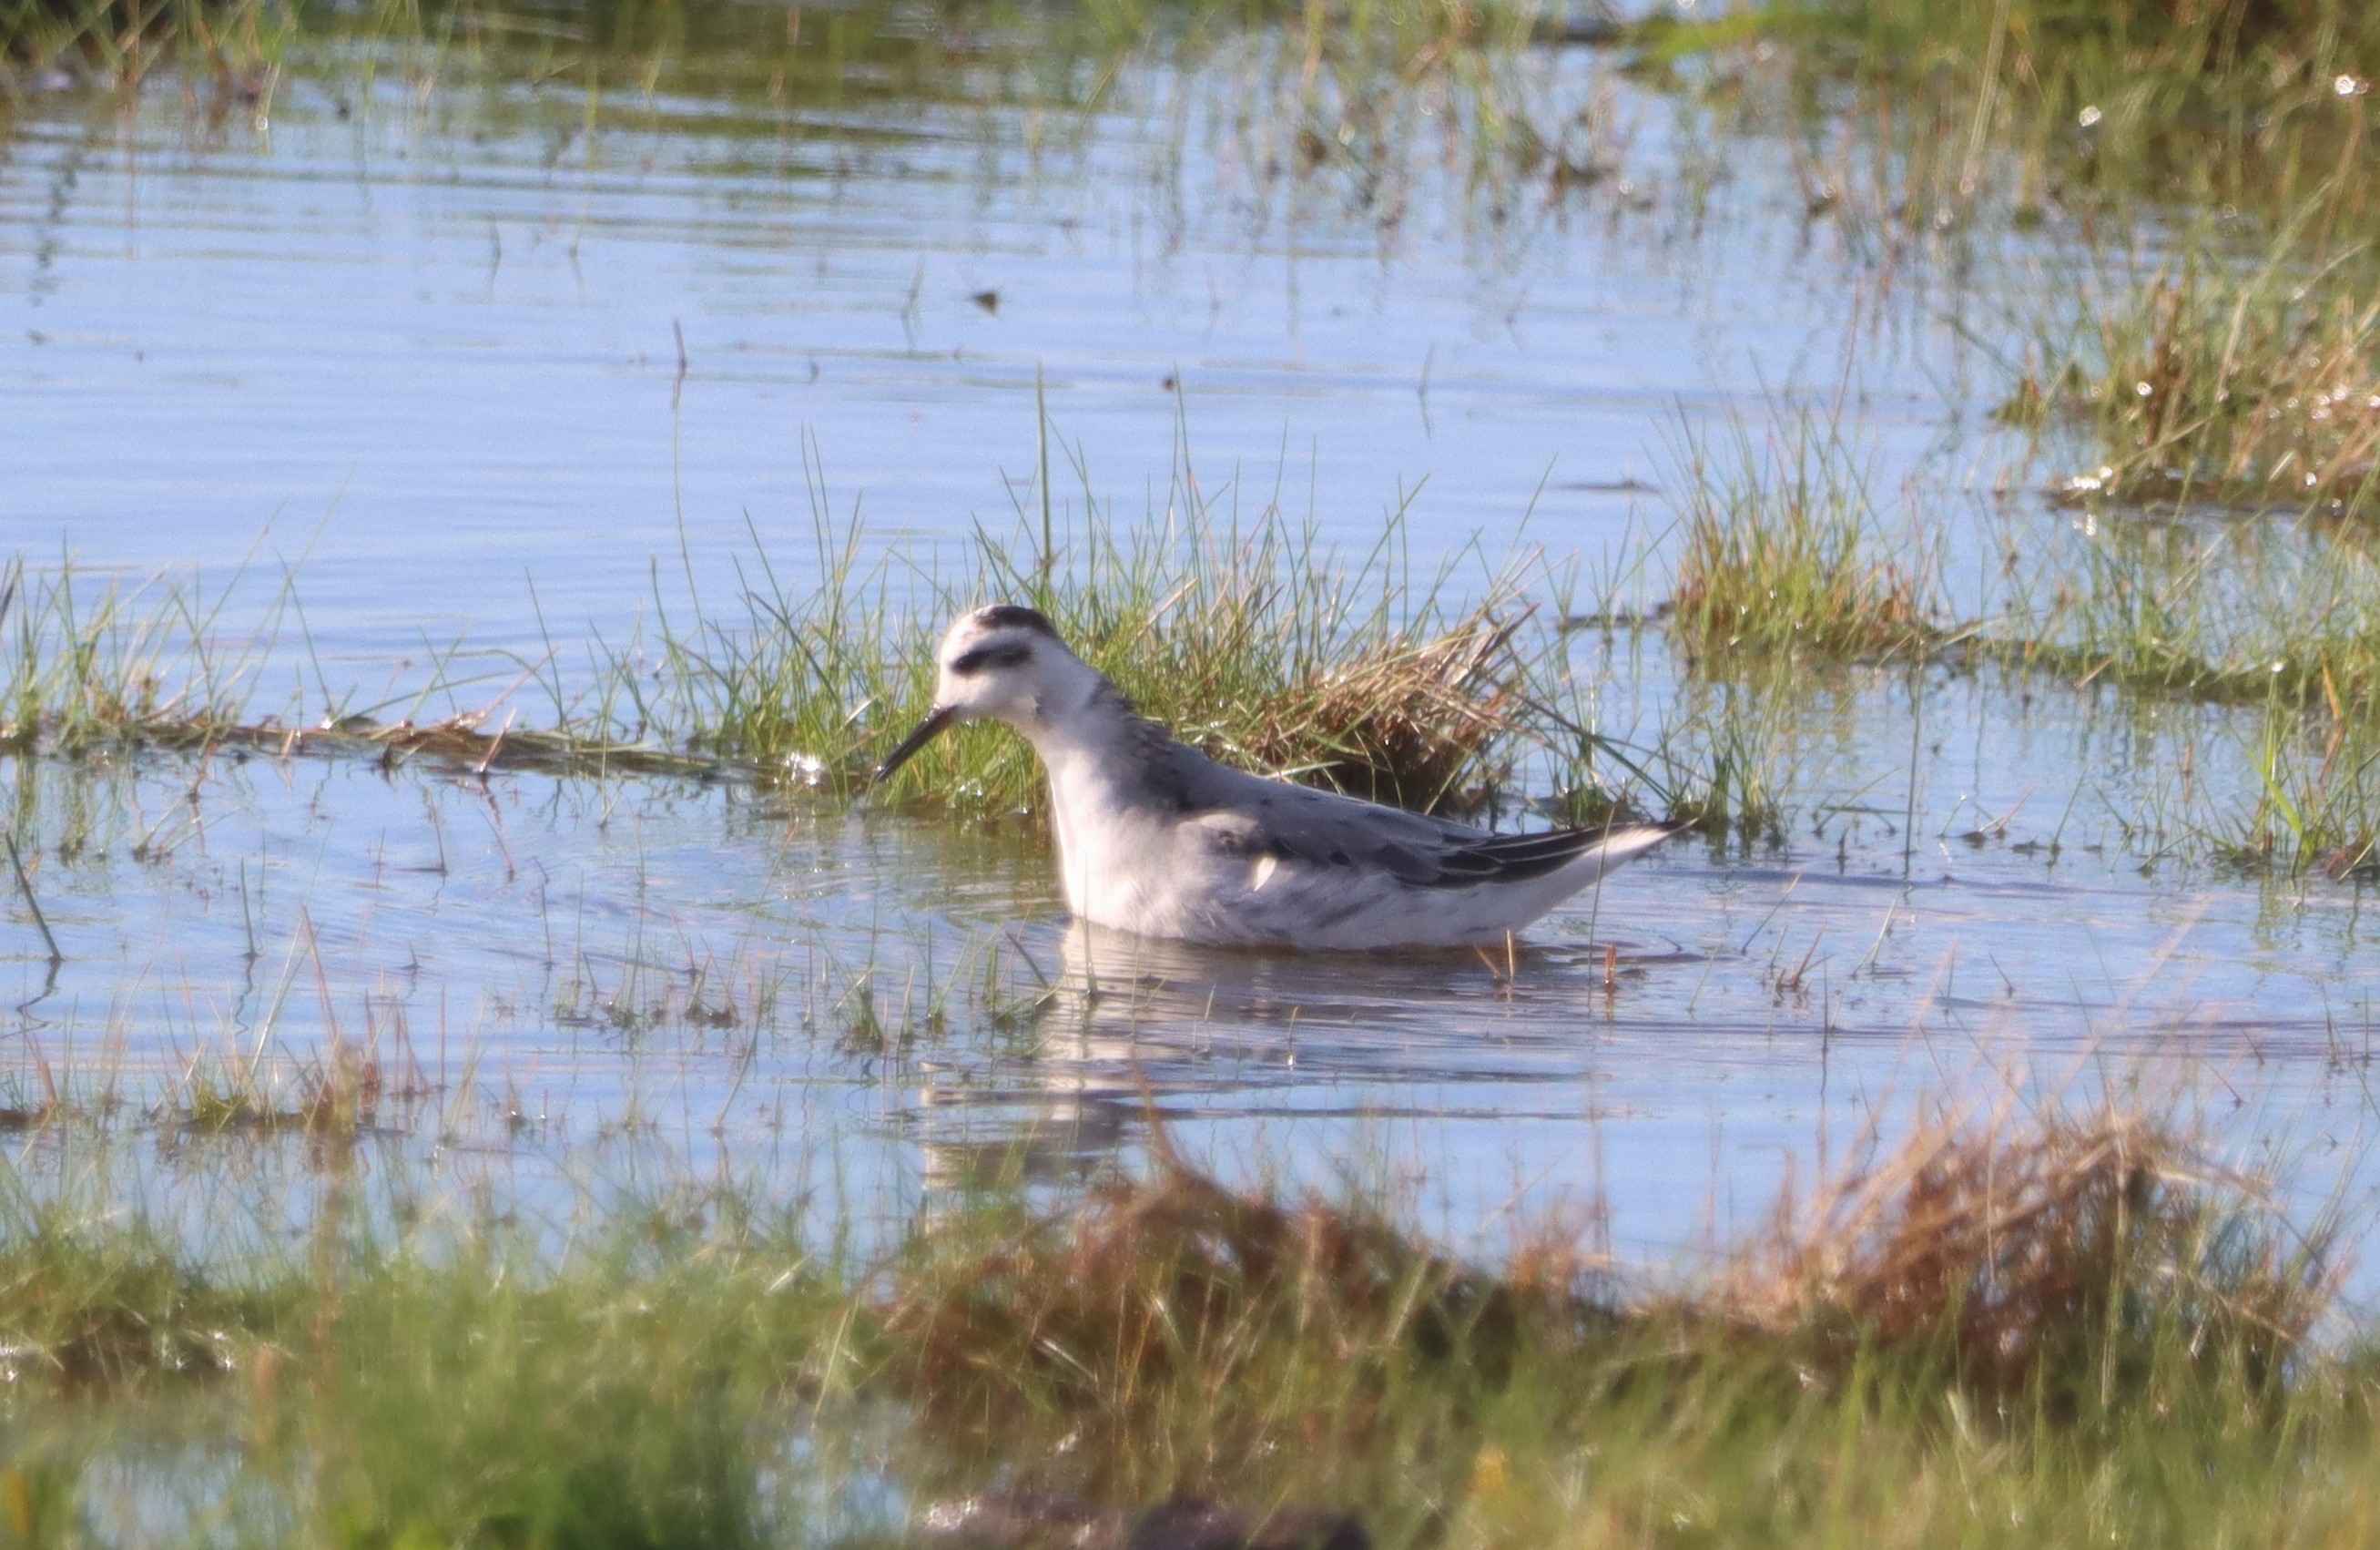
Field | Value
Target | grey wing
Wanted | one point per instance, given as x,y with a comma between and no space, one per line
1321,828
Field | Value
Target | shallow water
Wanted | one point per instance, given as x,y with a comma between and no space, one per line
548,966
430,342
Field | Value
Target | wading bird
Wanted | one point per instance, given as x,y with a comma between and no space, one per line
1154,838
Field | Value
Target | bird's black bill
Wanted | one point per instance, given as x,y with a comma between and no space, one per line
928,730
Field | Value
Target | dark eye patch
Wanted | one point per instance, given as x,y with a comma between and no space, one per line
969,663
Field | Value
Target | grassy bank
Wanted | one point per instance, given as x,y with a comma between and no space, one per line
2020,1333
1042,54
2025,107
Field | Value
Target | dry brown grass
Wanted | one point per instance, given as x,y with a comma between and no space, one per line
2041,1253
1408,724
1179,1296
1177,1327
461,742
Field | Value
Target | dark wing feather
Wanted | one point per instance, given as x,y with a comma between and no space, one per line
1514,857
1321,828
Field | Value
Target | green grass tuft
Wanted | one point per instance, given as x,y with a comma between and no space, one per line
1781,551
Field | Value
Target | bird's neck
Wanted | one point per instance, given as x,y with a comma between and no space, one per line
1091,751
1082,736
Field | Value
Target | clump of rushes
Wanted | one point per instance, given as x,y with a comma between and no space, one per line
1243,634
2069,1331
1738,732
1783,551
2258,387
1418,723
1254,644
1188,1328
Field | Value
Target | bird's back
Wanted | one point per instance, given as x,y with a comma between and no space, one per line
1166,841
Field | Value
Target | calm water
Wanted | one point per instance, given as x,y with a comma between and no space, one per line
427,345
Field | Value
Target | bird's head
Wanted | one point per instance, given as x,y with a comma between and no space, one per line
1003,662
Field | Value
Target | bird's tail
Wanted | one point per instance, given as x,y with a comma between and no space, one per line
1618,846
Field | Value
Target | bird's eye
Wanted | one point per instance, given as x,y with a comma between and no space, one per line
969,663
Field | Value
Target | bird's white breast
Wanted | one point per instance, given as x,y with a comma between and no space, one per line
1135,868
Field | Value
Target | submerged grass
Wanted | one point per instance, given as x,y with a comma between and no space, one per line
2273,620
1337,83
2246,612
2010,1333
2245,383
1377,105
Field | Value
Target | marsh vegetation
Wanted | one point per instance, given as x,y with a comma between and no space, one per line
2012,1328
484,1073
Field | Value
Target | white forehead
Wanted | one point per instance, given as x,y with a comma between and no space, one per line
965,631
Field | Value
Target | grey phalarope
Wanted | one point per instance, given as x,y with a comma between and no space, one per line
1158,839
